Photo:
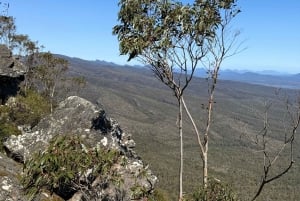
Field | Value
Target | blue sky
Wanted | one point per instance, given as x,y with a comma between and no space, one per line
270,29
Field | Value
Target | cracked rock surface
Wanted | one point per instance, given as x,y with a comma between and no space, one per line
77,116
12,74
10,171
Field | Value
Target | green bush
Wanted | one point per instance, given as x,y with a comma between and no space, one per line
215,191
159,195
139,192
28,109
63,166
7,127
23,110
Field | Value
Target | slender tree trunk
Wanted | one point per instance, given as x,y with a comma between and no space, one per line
52,97
181,149
205,142
205,166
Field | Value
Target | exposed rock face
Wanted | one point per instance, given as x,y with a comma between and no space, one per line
79,116
11,74
10,189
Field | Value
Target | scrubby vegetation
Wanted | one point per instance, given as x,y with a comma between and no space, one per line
7,128
62,167
29,108
215,191
140,104
67,166
159,195
22,110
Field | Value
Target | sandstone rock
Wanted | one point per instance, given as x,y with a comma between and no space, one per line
10,66
11,74
78,116
75,115
10,188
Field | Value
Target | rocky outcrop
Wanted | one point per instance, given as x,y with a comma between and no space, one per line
10,188
11,74
78,116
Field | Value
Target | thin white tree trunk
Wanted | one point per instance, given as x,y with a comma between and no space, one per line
204,146
52,97
195,128
205,169
181,150
205,156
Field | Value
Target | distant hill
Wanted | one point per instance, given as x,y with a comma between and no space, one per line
279,81
266,78
147,109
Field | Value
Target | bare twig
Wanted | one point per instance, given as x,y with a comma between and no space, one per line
288,142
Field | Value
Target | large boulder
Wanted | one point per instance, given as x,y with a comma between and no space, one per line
10,170
12,74
78,116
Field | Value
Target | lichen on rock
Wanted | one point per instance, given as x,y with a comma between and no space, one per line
10,188
77,116
11,74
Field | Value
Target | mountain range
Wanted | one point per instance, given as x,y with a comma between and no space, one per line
147,109
264,77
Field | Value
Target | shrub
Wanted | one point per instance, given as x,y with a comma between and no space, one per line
22,110
63,168
215,191
139,192
159,195
7,127
28,109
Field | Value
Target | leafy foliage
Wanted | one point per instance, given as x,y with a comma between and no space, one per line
159,195
162,25
49,73
215,191
138,191
19,43
7,29
7,127
49,77
22,110
29,108
168,35
64,167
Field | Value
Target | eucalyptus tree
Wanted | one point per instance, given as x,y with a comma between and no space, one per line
172,38
7,29
49,73
222,45
20,44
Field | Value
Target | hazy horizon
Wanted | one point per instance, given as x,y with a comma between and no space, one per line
84,29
